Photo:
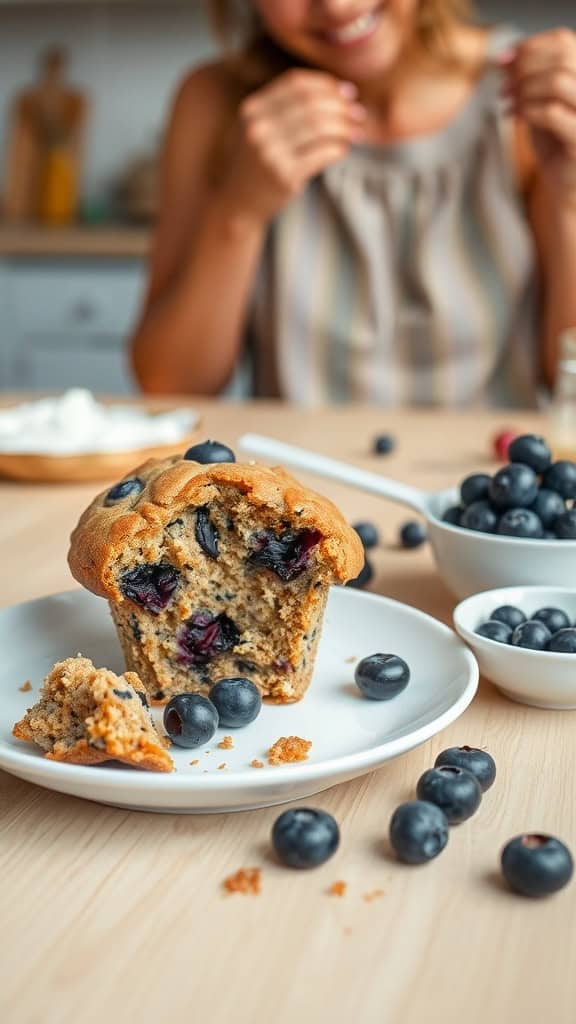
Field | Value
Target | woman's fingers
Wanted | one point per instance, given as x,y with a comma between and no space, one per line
556,84
549,115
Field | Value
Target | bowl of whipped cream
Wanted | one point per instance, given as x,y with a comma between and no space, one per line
72,437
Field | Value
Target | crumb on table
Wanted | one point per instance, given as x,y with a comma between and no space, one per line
256,763
26,687
247,881
350,660
196,761
222,766
338,888
289,749
375,894
227,743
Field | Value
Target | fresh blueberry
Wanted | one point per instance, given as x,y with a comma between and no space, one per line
454,790
515,486
548,505
553,618
305,838
565,525
493,630
563,642
418,831
536,865
190,719
508,614
532,635
126,488
209,452
287,555
475,488
412,534
382,676
520,522
453,515
561,477
364,576
478,762
384,444
479,516
204,636
206,533
532,451
150,585
237,701
368,534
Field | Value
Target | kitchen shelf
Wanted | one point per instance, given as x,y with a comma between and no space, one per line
110,241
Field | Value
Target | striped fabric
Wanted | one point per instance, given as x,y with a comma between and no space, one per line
405,274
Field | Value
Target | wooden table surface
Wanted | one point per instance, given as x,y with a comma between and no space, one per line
111,915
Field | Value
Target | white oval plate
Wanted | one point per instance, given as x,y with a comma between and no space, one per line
350,735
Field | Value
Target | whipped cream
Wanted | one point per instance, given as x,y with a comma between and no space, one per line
74,423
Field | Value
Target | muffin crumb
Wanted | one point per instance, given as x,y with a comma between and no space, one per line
247,881
375,894
26,687
256,763
288,750
338,888
227,743
222,766
195,761
350,660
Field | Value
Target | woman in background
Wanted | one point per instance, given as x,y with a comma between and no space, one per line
380,196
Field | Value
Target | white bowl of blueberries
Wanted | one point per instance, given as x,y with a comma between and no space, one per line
525,641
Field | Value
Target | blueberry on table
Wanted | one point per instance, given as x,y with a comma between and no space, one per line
548,505
305,838
412,534
479,516
237,701
126,488
210,452
520,522
508,614
561,477
478,762
418,831
532,450
494,630
565,525
382,676
563,642
454,790
536,865
553,618
384,444
475,488
515,486
453,515
368,534
364,576
190,719
534,636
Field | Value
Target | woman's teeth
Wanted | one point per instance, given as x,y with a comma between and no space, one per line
354,30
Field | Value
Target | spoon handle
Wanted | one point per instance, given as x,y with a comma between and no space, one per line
311,462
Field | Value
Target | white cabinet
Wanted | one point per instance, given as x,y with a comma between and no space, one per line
67,322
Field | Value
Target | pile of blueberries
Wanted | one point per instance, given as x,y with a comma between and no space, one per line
548,629
191,720
532,497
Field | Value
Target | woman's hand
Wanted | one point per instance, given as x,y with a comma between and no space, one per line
541,86
287,133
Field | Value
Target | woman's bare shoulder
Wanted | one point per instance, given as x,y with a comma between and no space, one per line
214,88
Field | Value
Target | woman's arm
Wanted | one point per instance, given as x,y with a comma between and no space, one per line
554,226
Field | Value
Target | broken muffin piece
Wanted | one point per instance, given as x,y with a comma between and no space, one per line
87,715
216,571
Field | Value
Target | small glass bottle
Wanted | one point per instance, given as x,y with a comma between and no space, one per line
563,409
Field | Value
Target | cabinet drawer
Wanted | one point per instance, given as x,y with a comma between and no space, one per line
88,300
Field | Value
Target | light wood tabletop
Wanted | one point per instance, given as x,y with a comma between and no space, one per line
112,915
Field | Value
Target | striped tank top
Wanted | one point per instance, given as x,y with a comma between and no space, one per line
405,273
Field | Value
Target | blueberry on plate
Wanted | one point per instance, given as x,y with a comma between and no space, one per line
553,618
364,576
478,762
237,701
418,831
508,614
563,642
475,488
305,838
520,522
384,444
536,865
532,450
412,534
454,790
209,452
565,525
494,630
514,486
532,635
126,488
382,676
190,719
561,477
368,534
479,516
453,515
548,505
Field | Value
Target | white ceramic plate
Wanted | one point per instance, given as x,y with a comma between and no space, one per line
350,735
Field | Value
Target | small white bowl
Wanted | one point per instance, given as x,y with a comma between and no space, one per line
543,679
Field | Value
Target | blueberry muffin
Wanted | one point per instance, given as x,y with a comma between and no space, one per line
215,571
87,715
